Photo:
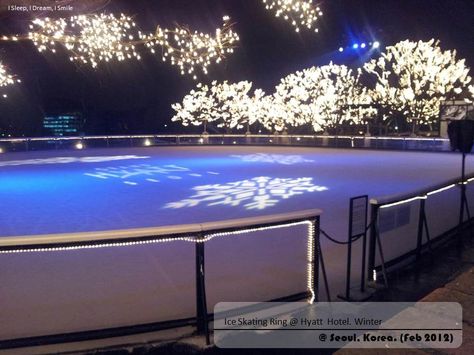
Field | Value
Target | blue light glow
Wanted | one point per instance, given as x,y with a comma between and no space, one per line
355,46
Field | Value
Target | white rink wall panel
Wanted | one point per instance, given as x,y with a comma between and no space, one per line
399,224
56,292
260,266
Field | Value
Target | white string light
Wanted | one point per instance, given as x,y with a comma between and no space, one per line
424,197
310,247
310,276
404,201
300,13
6,78
90,38
207,238
187,49
96,38
96,246
311,261
441,189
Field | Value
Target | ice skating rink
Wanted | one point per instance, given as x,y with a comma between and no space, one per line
107,189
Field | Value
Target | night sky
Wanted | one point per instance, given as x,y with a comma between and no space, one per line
136,96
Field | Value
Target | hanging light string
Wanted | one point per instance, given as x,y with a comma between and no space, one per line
302,14
90,38
95,38
189,49
6,78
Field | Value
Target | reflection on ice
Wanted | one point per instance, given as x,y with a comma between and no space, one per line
68,160
283,159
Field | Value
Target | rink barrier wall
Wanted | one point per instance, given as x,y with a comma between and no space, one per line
199,234
427,224
331,141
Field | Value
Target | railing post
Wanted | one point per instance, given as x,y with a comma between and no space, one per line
349,259
201,302
374,215
464,206
421,224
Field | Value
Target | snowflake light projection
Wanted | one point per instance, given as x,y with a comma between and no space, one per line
300,13
412,78
137,173
125,173
273,158
256,193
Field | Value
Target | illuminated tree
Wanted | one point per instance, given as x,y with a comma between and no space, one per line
325,97
232,103
196,108
272,113
412,78
300,13
227,104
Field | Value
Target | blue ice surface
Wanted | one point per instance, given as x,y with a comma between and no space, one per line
40,195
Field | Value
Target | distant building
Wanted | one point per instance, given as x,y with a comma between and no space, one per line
66,124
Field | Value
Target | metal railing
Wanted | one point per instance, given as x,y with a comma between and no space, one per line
199,234
370,142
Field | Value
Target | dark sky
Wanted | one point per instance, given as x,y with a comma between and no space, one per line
135,96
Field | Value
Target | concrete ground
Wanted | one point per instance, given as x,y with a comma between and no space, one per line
446,276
